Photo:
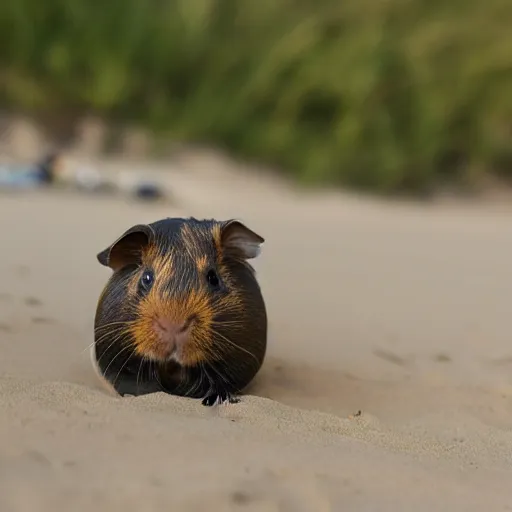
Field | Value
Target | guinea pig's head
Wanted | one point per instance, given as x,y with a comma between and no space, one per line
183,295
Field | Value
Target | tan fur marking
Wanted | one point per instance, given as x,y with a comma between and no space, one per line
152,259
162,265
217,239
191,242
201,263
178,310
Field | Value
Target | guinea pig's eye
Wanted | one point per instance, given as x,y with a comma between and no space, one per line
213,279
146,281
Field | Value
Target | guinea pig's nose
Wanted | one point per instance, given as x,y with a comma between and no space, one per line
170,328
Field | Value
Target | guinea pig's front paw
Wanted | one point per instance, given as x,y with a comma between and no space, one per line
219,397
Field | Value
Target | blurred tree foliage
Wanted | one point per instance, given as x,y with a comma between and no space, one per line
389,96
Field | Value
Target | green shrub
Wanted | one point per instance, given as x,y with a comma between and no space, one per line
388,96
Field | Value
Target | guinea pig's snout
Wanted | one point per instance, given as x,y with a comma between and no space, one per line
171,333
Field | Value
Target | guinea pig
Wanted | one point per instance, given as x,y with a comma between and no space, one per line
182,311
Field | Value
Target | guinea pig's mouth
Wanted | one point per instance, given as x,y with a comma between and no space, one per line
171,337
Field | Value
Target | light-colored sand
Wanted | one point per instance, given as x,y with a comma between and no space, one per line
402,312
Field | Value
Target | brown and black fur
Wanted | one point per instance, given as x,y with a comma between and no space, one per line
229,334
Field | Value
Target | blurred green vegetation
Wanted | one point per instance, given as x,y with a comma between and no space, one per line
387,96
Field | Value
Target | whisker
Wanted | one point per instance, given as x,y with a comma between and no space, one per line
235,345
154,373
211,352
214,354
100,339
198,383
88,347
202,375
115,340
210,380
228,322
189,391
140,367
222,377
109,333
104,326
116,356
123,365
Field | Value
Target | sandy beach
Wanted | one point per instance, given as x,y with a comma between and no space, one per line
387,384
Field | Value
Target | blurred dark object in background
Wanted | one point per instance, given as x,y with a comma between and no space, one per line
19,176
149,191
55,170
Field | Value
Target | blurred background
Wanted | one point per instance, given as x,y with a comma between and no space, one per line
388,97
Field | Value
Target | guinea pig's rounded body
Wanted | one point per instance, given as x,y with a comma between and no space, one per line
182,311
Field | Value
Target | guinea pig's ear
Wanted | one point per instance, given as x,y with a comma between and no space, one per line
127,249
239,240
